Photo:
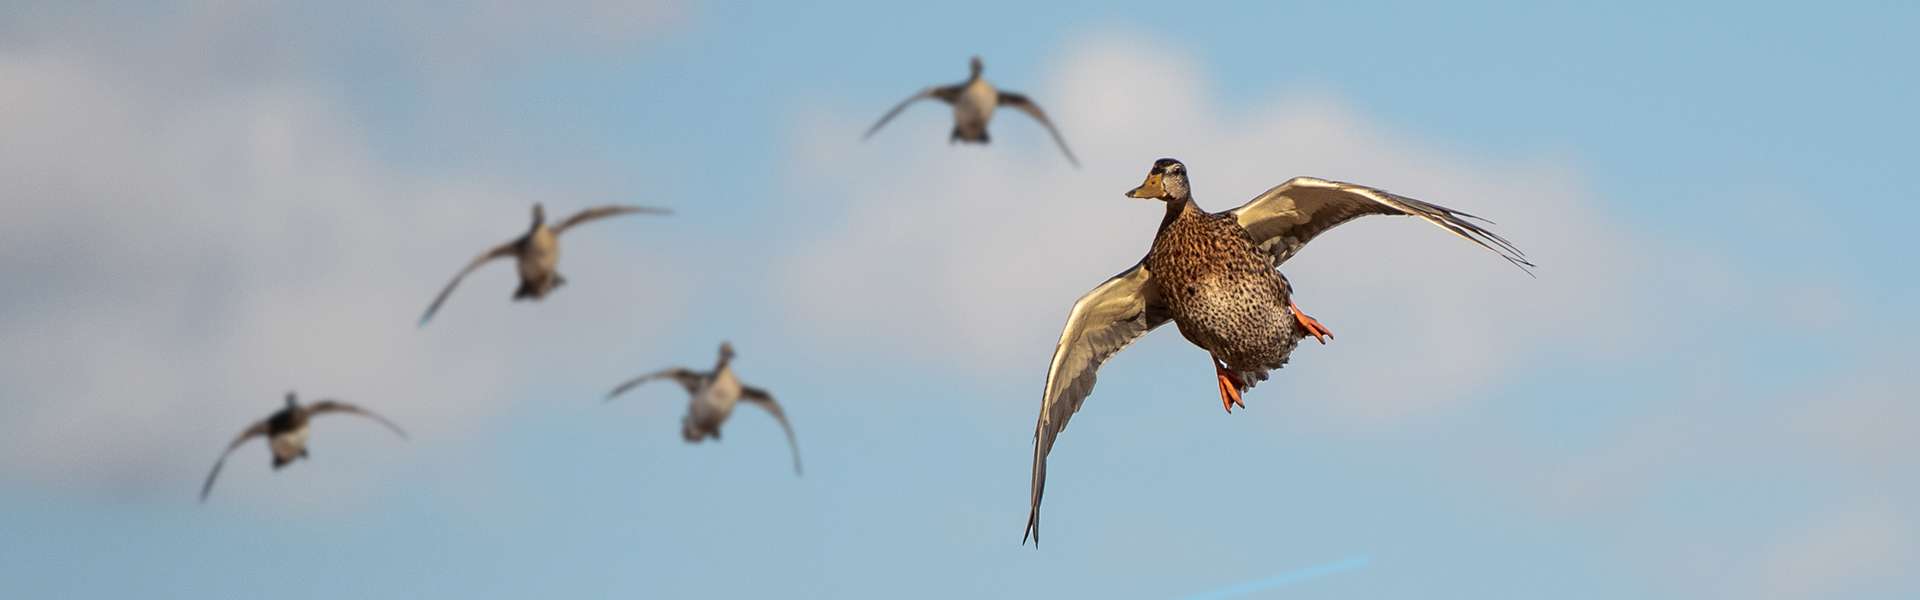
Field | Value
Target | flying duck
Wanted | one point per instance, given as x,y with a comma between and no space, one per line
714,394
1215,276
973,102
537,252
286,433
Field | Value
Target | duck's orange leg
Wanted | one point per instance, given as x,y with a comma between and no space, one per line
1229,386
1313,327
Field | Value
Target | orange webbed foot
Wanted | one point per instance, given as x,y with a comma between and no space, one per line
1229,387
1313,327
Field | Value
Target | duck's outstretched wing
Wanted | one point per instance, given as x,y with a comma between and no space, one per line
500,251
259,428
687,378
762,399
1285,218
1022,103
335,406
602,212
1103,321
943,93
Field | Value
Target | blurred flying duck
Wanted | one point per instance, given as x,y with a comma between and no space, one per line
537,252
714,394
973,102
1215,275
286,433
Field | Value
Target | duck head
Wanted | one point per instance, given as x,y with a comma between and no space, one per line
1166,181
726,353
539,214
292,401
975,66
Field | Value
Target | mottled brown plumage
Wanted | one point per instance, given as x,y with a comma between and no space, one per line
1216,277
1221,291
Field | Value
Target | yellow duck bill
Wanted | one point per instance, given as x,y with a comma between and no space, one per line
1150,189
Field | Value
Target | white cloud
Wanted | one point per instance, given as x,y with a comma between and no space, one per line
471,42
982,251
1856,550
971,257
1810,488
1866,419
182,251
600,22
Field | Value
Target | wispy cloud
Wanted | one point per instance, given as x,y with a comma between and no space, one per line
991,246
1804,489
198,241
1855,548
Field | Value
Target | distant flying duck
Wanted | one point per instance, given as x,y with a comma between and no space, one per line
286,433
537,252
714,394
1215,275
973,102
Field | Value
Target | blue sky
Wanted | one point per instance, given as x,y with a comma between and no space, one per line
1703,394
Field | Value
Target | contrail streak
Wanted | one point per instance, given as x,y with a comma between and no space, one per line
1283,579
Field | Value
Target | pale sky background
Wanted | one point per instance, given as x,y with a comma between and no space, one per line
1707,392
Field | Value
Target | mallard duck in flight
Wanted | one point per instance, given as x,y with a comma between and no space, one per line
713,395
537,253
973,102
1215,275
286,433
